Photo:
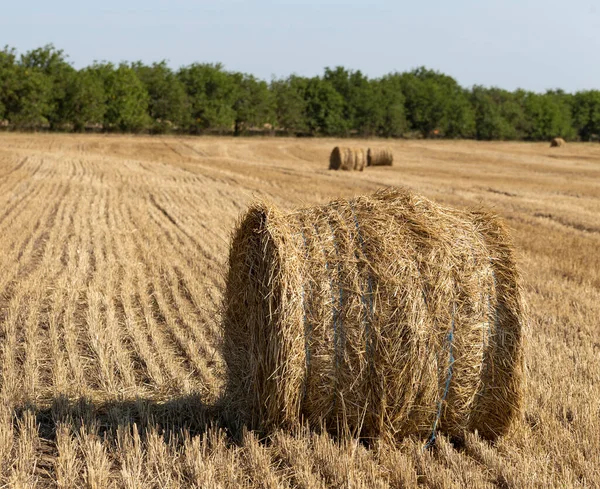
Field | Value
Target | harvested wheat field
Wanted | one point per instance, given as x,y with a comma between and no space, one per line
113,260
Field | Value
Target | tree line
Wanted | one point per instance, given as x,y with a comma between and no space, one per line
40,89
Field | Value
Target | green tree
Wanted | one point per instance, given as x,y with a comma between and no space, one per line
390,99
85,99
324,109
211,93
512,108
363,110
40,88
435,102
168,104
52,64
460,117
126,98
586,114
26,96
289,104
489,123
32,100
340,79
548,116
253,103
499,114
368,105
8,80
425,101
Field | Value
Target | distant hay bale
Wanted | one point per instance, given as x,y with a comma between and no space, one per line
343,158
557,142
380,157
385,315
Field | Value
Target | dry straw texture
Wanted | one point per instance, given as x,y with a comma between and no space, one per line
360,159
557,142
380,157
384,315
343,158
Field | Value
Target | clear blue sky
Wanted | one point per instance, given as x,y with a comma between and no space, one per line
532,44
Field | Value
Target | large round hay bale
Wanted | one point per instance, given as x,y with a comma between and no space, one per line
384,315
343,158
557,142
380,157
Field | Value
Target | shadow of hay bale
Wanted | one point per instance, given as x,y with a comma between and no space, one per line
174,415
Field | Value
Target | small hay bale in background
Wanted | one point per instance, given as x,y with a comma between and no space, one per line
343,158
380,157
384,315
557,142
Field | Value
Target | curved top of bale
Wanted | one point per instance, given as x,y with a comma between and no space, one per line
557,142
386,315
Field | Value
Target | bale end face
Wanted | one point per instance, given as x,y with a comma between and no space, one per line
263,372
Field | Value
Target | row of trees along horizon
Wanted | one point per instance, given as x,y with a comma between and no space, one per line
40,89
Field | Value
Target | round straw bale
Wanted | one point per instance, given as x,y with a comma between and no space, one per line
383,315
343,158
380,157
557,142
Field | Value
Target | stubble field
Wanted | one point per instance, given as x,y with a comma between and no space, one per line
113,253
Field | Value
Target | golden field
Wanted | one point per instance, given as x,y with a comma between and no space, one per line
113,253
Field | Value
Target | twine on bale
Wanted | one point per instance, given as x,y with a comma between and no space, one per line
306,325
433,436
373,316
369,305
